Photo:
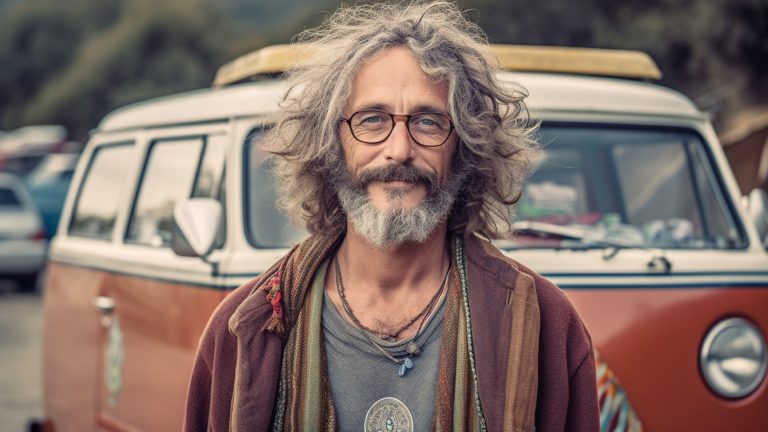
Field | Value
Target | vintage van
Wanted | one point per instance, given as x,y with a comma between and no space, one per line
634,212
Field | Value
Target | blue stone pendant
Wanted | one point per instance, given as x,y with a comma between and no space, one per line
406,365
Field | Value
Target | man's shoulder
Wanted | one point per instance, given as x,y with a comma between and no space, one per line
219,322
485,255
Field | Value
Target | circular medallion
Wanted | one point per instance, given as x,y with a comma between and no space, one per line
388,415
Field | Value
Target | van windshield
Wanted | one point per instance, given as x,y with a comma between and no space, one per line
595,187
624,187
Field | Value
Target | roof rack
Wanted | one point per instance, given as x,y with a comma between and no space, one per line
275,59
263,62
580,61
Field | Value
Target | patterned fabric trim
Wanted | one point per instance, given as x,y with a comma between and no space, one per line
462,266
616,413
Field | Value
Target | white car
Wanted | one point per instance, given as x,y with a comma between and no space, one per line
22,237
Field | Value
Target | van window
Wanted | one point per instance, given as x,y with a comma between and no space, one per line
265,226
97,202
713,204
208,181
642,187
656,184
168,177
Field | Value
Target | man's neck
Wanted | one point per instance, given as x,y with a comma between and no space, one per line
384,271
387,287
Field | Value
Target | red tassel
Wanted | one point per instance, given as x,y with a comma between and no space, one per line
275,323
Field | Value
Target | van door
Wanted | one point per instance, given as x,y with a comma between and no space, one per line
155,304
71,329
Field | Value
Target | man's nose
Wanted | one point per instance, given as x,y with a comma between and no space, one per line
400,145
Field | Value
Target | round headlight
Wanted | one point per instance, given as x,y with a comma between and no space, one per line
733,358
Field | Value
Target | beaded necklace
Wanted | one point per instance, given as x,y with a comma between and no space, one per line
412,348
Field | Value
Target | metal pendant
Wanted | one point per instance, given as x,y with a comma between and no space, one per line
405,366
413,348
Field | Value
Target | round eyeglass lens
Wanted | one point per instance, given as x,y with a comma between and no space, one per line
429,129
371,126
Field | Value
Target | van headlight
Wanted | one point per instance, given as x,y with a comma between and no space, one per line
733,358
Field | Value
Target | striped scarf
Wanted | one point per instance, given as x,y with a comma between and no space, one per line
304,401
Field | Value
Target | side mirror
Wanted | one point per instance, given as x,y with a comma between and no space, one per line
195,226
757,212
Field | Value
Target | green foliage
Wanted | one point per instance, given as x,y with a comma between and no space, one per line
38,44
70,62
148,50
716,51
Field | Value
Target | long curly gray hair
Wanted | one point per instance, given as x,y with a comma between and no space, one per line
496,145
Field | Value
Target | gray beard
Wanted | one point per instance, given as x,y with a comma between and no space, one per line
398,226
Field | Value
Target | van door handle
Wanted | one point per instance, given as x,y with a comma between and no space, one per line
104,304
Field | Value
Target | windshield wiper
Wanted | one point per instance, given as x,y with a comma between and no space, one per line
658,262
572,232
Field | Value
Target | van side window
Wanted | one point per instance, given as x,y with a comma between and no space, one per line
97,202
265,226
176,169
168,177
208,181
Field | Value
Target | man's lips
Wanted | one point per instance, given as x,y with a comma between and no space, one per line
404,177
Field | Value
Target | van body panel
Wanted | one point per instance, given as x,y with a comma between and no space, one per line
71,347
137,377
647,322
161,324
549,92
206,105
634,328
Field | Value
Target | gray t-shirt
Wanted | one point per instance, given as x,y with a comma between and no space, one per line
368,393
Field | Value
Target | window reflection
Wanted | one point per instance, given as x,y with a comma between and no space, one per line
100,194
648,188
267,227
167,179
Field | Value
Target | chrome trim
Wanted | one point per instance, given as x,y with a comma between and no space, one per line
706,351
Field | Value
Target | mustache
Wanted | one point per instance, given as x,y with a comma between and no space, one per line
398,172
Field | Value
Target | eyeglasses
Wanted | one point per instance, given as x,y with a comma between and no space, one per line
428,129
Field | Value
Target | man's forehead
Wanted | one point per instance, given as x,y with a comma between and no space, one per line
393,78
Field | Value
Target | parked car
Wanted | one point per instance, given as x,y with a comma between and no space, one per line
22,236
48,184
634,213
23,149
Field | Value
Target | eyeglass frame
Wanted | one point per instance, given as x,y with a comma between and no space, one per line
405,118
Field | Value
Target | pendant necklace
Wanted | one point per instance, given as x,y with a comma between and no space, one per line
412,348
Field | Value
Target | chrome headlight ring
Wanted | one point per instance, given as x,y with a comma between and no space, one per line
733,358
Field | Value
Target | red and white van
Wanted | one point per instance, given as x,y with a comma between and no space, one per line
634,212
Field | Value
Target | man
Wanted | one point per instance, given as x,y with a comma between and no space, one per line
400,154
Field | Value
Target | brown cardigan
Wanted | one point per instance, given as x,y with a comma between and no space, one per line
567,395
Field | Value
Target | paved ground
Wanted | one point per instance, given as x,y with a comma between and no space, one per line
20,376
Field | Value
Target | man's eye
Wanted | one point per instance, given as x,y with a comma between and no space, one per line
427,122
370,119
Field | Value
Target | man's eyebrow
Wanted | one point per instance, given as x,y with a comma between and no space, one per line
377,107
429,108
417,108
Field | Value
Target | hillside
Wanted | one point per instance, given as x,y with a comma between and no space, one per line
96,55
